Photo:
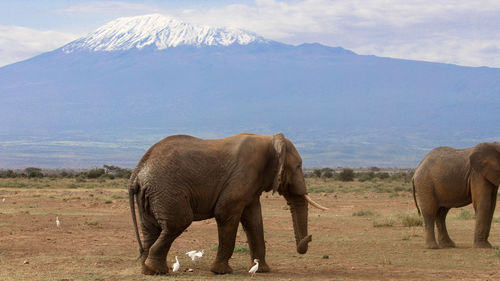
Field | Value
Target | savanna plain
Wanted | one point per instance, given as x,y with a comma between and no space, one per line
370,232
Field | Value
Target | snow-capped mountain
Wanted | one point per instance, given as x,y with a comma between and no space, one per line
76,107
158,32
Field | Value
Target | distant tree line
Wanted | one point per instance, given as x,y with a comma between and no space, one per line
106,171
348,174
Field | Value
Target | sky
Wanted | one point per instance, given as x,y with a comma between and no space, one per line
460,32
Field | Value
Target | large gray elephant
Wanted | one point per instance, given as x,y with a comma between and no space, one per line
183,179
450,178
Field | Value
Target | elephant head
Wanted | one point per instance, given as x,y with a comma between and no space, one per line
485,159
289,182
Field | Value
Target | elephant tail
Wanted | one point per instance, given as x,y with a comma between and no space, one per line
414,196
132,193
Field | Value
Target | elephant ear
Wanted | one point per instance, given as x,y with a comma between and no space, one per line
485,159
279,146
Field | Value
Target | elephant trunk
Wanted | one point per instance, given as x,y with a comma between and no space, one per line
299,210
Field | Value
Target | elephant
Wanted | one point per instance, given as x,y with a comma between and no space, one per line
451,178
182,179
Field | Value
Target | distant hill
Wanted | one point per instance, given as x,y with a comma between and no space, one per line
105,98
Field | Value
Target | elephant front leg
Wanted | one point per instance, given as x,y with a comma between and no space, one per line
227,227
251,220
484,207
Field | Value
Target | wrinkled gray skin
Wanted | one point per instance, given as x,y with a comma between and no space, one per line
183,179
451,178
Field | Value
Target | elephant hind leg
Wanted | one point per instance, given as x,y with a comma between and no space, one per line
155,263
150,233
443,237
430,239
173,219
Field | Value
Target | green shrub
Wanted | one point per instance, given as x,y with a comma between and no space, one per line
95,173
327,174
346,175
8,174
399,188
362,177
117,171
363,213
33,172
241,249
384,222
108,176
465,215
382,175
497,253
92,223
410,220
317,173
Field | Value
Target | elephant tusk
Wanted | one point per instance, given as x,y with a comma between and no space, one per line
308,199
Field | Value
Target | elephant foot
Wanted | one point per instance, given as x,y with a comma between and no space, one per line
263,267
221,268
447,244
431,245
482,244
154,267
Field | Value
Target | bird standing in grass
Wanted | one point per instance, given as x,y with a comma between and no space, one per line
58,222
191,253
254,268
196,256
3,200
176,265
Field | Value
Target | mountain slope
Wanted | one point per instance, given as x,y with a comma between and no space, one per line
85,107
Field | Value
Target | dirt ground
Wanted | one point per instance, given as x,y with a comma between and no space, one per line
96,241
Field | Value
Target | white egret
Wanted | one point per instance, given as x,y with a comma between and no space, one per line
197,255
191,254
176,265
254,268
58,222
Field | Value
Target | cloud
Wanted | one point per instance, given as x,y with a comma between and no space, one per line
18,43
462,32
108,8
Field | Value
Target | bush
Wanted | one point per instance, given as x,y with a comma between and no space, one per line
8,174
410,220
33,172
317,173
346,175
117,171
362,177
465,215
95,173
363,213
384,222
382,176
327,174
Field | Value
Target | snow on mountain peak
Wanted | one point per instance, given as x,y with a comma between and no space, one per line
159,32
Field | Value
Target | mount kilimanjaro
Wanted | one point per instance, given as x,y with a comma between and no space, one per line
106,97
